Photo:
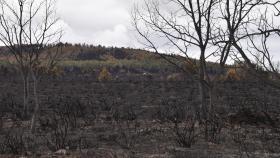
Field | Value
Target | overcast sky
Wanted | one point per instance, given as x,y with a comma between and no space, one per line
105,22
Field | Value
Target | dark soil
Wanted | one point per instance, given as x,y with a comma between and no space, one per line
81,117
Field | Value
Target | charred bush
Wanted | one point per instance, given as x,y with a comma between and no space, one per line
214,128
127,126
105,104
183,121
17,142
270,140
124,113
68,108
58,130
62,119
241,138
13,143
11,106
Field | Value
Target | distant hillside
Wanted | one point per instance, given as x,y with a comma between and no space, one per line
112,57
82,55
89,59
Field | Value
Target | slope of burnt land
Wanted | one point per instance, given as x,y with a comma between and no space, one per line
121,102
134,118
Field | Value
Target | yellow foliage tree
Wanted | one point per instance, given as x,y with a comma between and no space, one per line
104,75
232,74
56,71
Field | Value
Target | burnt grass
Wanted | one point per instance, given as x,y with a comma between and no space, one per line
82,117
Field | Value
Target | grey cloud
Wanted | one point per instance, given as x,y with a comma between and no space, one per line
105,22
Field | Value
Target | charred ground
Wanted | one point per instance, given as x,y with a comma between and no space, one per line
143,107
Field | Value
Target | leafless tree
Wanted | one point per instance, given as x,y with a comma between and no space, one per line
27,27
259,47
183,25
243,23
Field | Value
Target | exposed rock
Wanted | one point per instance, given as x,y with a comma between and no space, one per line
61,152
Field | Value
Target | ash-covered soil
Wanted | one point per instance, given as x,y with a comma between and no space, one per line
87,118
